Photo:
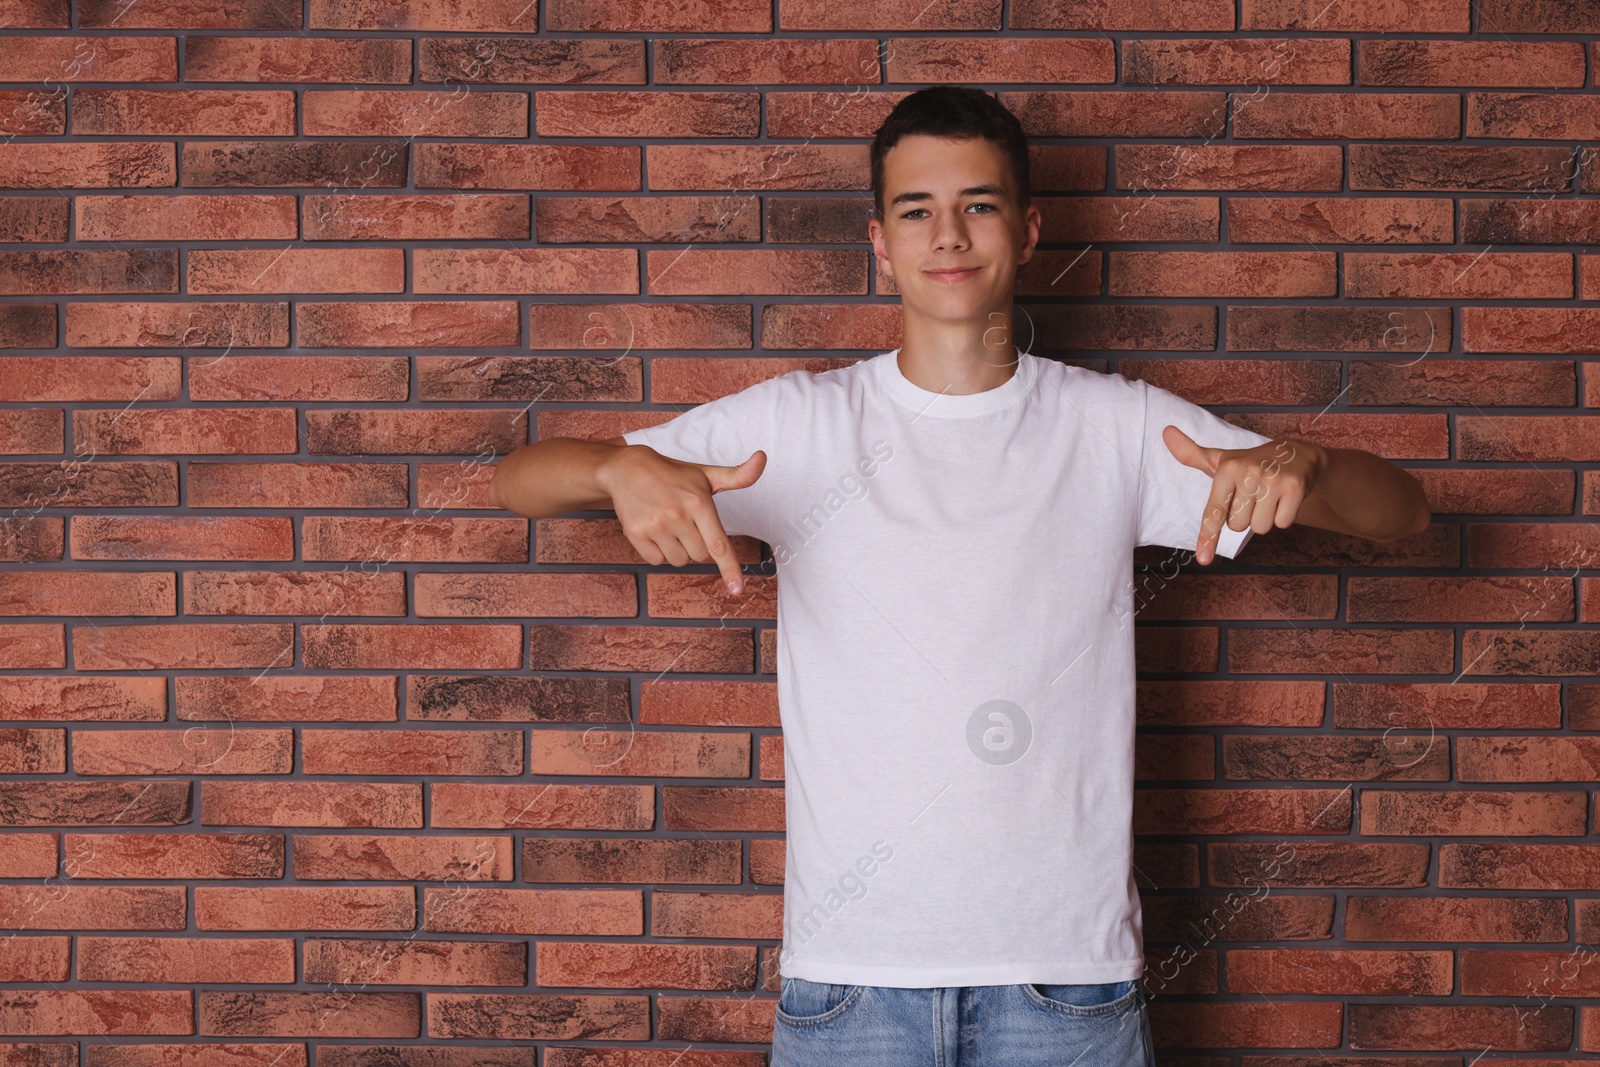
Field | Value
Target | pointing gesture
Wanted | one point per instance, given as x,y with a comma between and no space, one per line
666,508
1251,488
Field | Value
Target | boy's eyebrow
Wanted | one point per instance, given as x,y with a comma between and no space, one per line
988,189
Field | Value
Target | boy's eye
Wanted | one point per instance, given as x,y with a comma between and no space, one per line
991,208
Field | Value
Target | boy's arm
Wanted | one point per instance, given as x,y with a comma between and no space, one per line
1358,493
1287,481
553,477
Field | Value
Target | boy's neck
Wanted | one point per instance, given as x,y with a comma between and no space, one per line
972,360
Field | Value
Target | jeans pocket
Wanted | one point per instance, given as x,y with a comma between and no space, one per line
806,1003
1086,999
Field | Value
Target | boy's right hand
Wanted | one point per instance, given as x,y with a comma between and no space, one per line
666,509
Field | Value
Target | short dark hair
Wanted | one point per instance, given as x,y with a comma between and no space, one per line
957,112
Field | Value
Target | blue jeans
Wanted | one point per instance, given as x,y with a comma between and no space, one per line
1095,1025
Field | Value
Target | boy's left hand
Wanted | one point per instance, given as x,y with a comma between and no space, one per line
1261,486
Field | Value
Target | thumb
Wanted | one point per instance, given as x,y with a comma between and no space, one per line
1190,454
741,477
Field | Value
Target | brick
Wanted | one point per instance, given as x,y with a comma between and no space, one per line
185,959
412,752
296,270
28,751
1339,329
170,856
1258,274
440,15
1246,167
416,962
439,217
700,915
821,272
1348,116
745,61
643,754
1248,1024
88,593
730,809
734,16
1454,919
646,860
146,537
399,324
438,646
538,1017
27,325
528,60
304,592
525,166
1303,757
578,963
182,646
1461,382
200,217
33,432
312,803
456,595
431,858
208,58
1490,599
1519,866
1420,16
33,112
1340,220
40,14
1498,492
83,1011
1246,61
1196,15
88,165
1320,863
1459,812
1542,330
197,431
525,270
652,113
412,432
143,270
297,484
570,807
184,112
1460,168
753,167
71,699
320,1015
1341,972
298,377
1538,16
92,59
1173,113
409,113
33,219
1527,760
344,165
191,14
1503,63
102,803
185,324
1250,811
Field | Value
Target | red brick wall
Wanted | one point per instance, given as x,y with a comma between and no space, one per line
288,770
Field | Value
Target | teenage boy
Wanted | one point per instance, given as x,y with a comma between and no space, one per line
953,525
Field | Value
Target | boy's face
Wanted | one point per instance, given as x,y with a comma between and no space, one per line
934,220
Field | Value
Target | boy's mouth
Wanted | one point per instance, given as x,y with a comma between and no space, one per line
955,275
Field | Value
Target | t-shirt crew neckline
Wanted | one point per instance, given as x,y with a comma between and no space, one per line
960,405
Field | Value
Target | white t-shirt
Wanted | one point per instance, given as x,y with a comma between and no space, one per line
955,657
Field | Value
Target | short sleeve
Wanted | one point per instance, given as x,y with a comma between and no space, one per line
1173,496
724,432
